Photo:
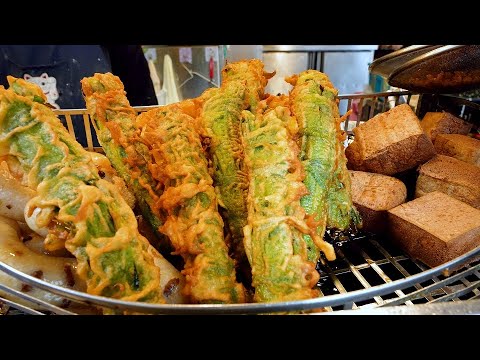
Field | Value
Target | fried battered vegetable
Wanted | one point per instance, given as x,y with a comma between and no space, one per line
342,214
115,127
13,195
242,88
221,118
107,172
193,223
81,210
329,200
251,73
276,220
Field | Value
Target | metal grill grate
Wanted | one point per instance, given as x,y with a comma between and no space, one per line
370,262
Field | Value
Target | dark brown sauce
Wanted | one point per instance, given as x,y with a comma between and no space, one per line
350,241
339,238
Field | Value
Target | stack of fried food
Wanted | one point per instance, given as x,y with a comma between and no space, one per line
238,185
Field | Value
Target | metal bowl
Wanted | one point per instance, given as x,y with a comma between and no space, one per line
368,271
386,65
448,69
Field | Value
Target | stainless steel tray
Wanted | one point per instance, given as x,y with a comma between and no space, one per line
369,272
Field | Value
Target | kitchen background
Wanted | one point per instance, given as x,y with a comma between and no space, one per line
185,72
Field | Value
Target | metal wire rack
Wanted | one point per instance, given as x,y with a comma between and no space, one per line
366,106
371,262
369,273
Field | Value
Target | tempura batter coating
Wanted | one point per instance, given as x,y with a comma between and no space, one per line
329,200
342,214
80,209
276,221
252,74
114,118
193,223
221,118
242,88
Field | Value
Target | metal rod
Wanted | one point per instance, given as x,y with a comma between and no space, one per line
338,284
372,108
35,301
422,267
71,129
385,102
467,283
397,265
430,287
21,307
378,94
347,120
88,132
327,308
359,276
360,112
409,97
459,293
364,266
380,273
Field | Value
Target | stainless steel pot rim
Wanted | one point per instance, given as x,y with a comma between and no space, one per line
245,308
377,63
415,61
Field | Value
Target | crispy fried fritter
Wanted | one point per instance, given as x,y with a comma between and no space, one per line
80,209
242,88
193,223
114,119
281,270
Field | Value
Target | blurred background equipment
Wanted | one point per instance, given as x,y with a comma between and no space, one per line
151,57
187,70
199,67
345,65
387,60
